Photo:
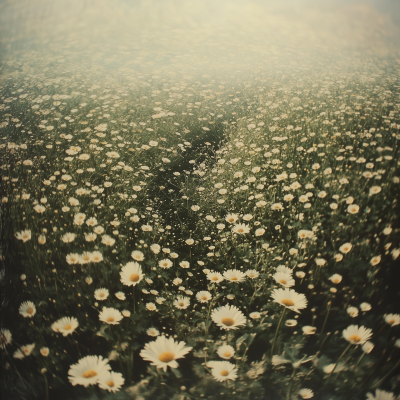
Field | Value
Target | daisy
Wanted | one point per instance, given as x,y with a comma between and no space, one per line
181,302
163,352
215,277
79,218
111,381
260,232
255,315
5,338
308,330
90,237
97,256
85,258
374,190
107,240
88,370
288,197
277,206
228,317
304,234
234,275
381,395
68,237
91,221
241,229
101,294
291,322
375,260
39,209
365,307
66,325
153,332
131,274
392,319
352,311
120,296
24,235
367,347
290,299
252,273
98,229
284,279
353,209
231,218
73,258
305,393
345,248
137,255
110,316
203,296
165,264
336,278
44,351
184,264
151,306
226,352
27,309
357,335
284,269
155,248
223,371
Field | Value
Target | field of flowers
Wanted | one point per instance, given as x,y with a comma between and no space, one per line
170,236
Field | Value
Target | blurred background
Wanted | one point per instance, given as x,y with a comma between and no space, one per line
194,34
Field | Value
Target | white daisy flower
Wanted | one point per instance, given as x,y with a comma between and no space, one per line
164,352
88,370
111,381
131,274
110,316
228,317
223,371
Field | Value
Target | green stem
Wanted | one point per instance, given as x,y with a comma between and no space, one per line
276,333
326,317
340,357
377,384
358,362
290,385
47,387
134,302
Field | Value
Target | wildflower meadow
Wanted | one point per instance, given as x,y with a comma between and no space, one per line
170,233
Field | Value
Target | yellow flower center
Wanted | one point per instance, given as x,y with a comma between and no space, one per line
101,295
205,298
234,278
224,372
30,310
240,230
283,281
110,319
166,357
227,354
391,321
134,277
110,383
214,278
67,327
181,304
227,321
287,302
355,338
89,374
